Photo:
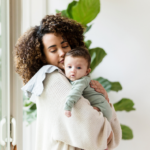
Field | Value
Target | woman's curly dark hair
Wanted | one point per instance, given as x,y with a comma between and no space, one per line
28,52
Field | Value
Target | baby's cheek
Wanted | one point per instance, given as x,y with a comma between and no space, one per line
67,73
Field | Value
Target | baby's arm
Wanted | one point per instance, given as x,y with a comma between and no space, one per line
74,95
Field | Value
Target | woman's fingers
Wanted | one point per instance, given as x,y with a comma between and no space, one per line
99,88
93,84
107,99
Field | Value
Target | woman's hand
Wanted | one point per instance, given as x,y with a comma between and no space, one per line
99,88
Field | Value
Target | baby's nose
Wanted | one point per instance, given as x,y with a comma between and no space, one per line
73,70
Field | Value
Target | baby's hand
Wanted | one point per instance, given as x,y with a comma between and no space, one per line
68,113
96,108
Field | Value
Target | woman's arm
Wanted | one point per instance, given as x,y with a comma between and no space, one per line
114,121
86,129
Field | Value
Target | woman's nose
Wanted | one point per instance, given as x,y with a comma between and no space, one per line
61,53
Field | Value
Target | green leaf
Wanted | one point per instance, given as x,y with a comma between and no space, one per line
105,83
63,13
29,112
124,104
57,11
85,11
88,43
27,103
116,86
69,8
126,132
97,54
87,28
33,107
108,85
29,116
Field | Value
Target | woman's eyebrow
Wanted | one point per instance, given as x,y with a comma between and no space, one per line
63,41
51,46
55,45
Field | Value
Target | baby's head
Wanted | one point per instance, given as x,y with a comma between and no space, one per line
77,63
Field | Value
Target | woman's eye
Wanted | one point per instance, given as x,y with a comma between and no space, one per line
53,51
78,67
69,66
65,46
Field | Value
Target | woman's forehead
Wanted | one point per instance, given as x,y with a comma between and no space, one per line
52,37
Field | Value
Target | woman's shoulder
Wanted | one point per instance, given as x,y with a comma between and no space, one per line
48,69
35,84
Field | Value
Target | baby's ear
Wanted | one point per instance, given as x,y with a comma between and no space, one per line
88,71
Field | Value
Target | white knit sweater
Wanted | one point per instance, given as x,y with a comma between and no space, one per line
86,129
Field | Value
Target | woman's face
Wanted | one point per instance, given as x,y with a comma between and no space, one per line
55,48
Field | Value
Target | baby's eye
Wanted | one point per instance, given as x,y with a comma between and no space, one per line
78,67
69,66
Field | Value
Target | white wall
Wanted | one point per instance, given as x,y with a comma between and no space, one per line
123,30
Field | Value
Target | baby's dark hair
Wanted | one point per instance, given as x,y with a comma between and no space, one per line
80,52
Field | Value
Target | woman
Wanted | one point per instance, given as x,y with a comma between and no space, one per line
39,60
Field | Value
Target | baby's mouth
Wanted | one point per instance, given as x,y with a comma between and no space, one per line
72,75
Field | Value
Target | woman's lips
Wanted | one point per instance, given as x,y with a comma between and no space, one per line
62,61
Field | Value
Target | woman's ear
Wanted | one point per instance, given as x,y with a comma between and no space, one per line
88,71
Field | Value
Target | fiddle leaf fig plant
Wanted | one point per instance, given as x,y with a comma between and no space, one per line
84,12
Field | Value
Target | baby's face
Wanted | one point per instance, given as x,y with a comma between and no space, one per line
75,67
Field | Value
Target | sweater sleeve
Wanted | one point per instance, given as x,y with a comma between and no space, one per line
86,129
75,93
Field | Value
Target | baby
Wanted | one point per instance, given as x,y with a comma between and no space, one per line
77,69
